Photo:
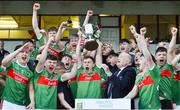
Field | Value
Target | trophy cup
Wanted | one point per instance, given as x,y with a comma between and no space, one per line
90,37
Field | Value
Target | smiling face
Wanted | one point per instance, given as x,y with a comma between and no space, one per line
125,47
106,49
124,60
23,57
52,34
50,65
73,43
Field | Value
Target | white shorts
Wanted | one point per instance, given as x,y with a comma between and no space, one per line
10,106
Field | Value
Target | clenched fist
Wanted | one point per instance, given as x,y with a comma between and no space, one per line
89,13
174,30
36,6
132,29
143,31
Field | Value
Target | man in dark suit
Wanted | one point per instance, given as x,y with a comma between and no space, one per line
3,52
122,81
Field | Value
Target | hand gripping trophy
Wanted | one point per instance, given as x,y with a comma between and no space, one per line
91,34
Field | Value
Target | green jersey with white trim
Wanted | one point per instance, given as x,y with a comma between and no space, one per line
45,86
17,80
147,84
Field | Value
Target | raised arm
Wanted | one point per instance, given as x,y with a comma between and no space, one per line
99,54
36,7
135,34
67,76
143,32
175,60
62,28
78,48
143,46
88,15
172,44
43,56
9,57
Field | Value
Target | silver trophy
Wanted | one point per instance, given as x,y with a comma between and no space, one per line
91,36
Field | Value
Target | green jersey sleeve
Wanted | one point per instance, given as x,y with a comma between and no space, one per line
41,40
1,69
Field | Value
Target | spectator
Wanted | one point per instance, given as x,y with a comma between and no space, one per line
126,47
122,81
3,52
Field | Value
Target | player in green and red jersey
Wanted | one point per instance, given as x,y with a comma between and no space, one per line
46,81
42,36
2,81
19,79
176,88
90,76
176,82
163,59
147,83
71,48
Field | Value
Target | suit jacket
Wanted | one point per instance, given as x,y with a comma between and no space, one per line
2,54
123,83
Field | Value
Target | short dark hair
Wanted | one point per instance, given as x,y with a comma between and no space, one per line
67,55
17,47
164,40
86,57
52,29
112,53
2,41
74,35
161,49
52,57
124,40
28,40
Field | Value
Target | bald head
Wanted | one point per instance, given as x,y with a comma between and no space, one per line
124,60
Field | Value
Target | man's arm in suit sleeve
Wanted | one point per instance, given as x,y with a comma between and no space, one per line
129,76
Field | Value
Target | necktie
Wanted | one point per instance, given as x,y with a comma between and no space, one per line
109,92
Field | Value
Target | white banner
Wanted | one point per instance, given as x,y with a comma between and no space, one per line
102,104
